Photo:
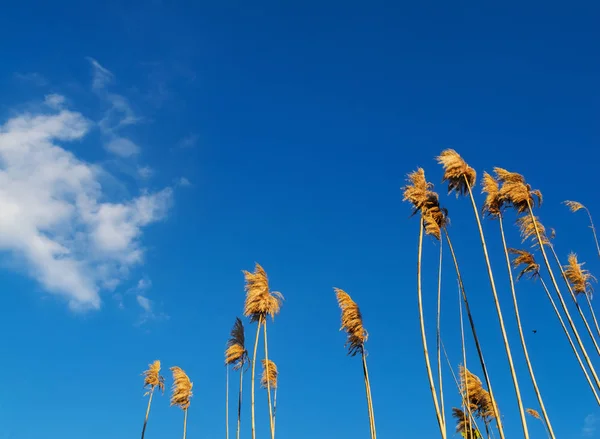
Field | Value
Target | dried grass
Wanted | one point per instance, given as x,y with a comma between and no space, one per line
580,279
459,175
479,399
464,425
493,202
152,377
271,377
236,352
515,192
574,206
352,323
182,388
260,301
533,413
419,193
527,228
523,257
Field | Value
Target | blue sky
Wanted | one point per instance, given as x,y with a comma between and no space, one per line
153,150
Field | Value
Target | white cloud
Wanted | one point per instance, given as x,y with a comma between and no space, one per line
590,425
145,303
102,76
122,147
145,172
56,218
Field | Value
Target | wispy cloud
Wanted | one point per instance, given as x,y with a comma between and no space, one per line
184,182
145,172
56,216
118,115
590,425
148,306
32,78
54,101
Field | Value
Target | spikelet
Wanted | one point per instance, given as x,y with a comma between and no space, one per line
533,413
260,301
515,192
527,229
493,202
182,388
152,377
236,352
459,175
480,401
272,376
574,206
523,257
351,323
580,279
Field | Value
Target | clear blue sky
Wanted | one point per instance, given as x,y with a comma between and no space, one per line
179,142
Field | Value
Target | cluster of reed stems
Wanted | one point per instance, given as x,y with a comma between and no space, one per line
504,191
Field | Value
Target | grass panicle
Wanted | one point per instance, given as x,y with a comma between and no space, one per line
236,353
153,378
531,268
260,300
459,175
516,192
580,279
352,323
273,374
492,206
182,388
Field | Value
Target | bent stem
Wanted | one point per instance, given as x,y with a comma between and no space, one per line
252,379
475,337
147,412
268,380
369,397
499,312
438,338
521,336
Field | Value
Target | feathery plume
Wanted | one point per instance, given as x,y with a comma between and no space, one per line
533,413
515,191
182,388
418,191
459,175
574,206
272,377
351,323
260,301
464,425
479,399
493,202
523,257
580,279
236,352
152,377
527,229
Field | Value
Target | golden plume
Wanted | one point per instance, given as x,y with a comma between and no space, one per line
236,352
580,279
515,191
574,206
493,202
459,175
260,301
152,377
527,229
182,388
419,193
480,401
351,323
533,413
272,376
523,257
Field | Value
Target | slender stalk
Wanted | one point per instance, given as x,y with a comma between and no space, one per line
558,293
424,337
500,318
593,231
438,338
240,403
466,399
227,402
147,411
486,376
566,331
274,406
587,326
369,397
522,337
185,423
268,380
252,379
589,302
